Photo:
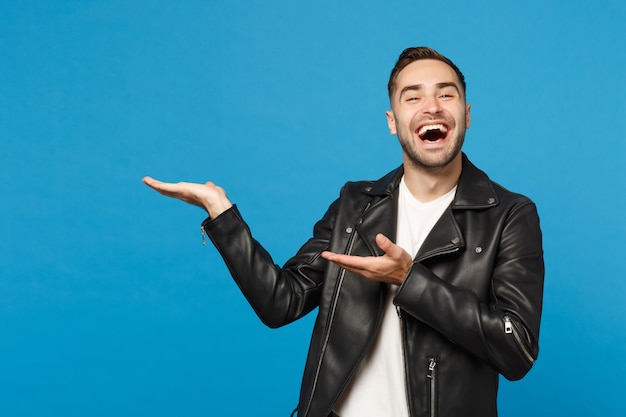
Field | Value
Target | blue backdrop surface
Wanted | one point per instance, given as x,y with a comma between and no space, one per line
110,305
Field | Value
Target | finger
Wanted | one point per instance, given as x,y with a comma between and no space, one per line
148,180
337,257
168,189
347,261
387,246
330,256
155,184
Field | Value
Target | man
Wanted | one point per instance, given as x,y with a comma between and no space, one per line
429,280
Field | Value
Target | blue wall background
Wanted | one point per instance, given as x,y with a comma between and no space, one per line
110,305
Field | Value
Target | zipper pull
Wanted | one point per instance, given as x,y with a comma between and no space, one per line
431,367
521,344
508,326
203,232
399,312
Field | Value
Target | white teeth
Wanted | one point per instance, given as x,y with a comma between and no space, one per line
427,128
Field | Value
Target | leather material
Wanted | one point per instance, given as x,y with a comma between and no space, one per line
471,303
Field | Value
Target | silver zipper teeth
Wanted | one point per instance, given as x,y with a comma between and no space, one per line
432,375
332,315
509,328
404,359
203,232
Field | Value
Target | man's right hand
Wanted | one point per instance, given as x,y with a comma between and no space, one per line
209,196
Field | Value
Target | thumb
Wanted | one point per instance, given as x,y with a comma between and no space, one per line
387,246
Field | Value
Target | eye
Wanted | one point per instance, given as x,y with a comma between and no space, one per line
412,99
447,94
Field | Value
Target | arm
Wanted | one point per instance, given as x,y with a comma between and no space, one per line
278,295
504,330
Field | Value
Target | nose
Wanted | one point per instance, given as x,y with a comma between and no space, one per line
431,105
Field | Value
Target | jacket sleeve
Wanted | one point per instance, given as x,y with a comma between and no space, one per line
277,295
504,331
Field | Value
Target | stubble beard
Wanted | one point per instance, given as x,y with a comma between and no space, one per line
423,162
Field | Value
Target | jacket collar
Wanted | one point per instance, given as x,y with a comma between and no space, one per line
474,190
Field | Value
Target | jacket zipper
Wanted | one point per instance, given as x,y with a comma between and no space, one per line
436,253
511,328
432,389
332,315
404,359
203,232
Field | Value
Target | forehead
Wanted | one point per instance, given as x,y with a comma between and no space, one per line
426,72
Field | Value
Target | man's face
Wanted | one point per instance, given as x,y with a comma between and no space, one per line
429,114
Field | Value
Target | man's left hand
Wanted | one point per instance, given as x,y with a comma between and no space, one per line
391,268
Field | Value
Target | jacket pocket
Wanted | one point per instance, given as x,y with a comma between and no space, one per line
431,376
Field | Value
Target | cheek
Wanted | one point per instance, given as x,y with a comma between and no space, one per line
404,122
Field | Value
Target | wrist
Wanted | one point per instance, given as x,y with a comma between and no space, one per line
215,209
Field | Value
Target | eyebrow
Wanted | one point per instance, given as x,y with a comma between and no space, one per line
438,86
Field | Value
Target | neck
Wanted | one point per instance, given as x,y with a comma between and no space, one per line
427,184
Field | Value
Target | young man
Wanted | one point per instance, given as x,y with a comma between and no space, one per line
429,281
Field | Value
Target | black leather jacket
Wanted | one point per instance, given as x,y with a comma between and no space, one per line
470,306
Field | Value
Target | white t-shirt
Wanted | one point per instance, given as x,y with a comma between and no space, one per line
378,387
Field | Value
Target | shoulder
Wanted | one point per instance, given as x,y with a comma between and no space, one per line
382,186
507,196
477,190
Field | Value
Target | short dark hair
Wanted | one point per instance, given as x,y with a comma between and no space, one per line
417,53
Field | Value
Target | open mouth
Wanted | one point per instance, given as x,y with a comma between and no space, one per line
432,133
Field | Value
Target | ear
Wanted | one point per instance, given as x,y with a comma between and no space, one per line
467,115
391,122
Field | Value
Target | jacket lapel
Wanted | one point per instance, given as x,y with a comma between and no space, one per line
474,191
381,217
445,237
382,214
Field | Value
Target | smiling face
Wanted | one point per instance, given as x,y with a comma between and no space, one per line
429,114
